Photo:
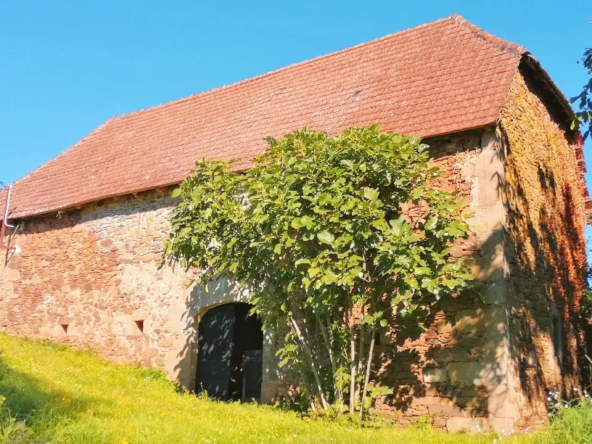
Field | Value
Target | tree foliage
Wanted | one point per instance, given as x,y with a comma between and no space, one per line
587,299
584,118
584,115
334,236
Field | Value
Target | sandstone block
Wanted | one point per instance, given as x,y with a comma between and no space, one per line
449,390
475,322
451,354
447,410
466,372
431,375
502,402
431,400
494,293
468,320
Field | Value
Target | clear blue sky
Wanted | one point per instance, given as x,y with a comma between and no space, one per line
67,66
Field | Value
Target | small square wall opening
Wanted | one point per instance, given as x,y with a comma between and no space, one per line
64,327
140,325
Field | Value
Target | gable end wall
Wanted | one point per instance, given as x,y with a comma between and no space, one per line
546,250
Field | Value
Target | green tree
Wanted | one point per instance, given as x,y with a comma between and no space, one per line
584,115
587,300
335,237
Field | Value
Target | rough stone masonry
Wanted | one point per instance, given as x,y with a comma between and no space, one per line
86,273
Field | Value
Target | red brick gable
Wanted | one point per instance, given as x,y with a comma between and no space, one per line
443,77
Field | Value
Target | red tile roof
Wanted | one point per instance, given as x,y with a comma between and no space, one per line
442,77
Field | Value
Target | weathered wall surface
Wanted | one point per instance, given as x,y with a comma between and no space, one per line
95,271
456,372
546,248
90,278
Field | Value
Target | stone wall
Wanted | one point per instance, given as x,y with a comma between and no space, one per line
455,373
546,249
89,277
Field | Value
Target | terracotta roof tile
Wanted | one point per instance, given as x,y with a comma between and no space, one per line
442,77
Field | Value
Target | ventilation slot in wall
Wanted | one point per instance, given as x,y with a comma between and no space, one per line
140,325
64,327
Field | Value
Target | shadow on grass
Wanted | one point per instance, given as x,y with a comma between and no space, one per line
40,406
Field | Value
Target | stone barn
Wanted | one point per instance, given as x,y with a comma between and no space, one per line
82,234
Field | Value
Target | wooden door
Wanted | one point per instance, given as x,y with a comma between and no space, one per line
215,347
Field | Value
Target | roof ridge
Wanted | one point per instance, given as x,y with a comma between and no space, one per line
504,45
278,70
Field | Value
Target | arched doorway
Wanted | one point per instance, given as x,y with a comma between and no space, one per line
229,356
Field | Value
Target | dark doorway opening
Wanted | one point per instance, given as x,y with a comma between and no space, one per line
229,355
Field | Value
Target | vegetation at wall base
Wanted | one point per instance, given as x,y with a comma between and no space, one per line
52,393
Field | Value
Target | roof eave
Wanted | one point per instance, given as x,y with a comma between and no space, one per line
546,82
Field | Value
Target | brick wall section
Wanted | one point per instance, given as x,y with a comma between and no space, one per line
546,248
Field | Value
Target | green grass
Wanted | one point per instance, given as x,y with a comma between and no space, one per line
66,395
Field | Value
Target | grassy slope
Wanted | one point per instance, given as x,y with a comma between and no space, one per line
73,396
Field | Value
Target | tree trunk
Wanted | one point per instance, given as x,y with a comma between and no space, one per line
329,347
305,381
368,367
352,385
360,359
352,342
311,363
